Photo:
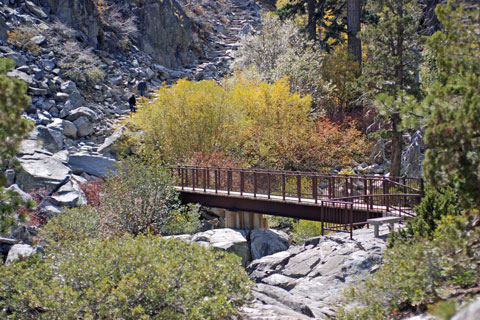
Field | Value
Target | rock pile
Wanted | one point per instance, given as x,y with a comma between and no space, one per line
80,82
307,281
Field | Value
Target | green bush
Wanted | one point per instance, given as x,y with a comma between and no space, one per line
141,199
414,273
75,224
146,277
304,229
436,204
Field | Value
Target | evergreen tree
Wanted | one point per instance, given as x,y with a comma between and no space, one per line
451,110
13,128
389,74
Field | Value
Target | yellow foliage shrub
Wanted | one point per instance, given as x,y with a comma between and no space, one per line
245,122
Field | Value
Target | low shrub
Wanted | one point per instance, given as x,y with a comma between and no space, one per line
415,274
74,224
436,204
22,39
304,229
146,277
141,199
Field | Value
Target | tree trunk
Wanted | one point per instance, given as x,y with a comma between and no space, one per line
312,23
354,8
397,146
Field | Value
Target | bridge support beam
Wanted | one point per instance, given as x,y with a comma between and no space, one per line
244,220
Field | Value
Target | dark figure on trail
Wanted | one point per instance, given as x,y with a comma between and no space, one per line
142,87
132,102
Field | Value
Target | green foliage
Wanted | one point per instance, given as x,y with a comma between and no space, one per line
146,277
444,310
13,100
76,224
246,122
451,111
304,229
436,204
13,128
277,222
414,273
388,75
140,199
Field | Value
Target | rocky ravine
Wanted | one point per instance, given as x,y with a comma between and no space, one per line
80,80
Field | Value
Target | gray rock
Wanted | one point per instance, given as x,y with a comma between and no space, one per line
95,165
41,170
24,233
84,126
111,143
167,33
61,97
80,14
264,242
70,195
82,112
48,64
76,99
39,40
52,140
69,129
37,91
471,312
49,208
68,87
229,240
36,10
116,80
21,75
285,298
19,252
3,29
21,194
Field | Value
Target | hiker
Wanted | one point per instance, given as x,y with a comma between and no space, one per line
132,102
142,87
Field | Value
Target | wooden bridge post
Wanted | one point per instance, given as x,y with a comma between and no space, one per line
216,180
314,187
283,186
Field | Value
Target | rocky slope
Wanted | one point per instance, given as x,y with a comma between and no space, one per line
306,282
82,59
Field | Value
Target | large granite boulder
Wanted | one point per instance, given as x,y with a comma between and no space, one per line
308,281
470,312
229,240
264,242
19,252
96,165
70,195
51,137
42,169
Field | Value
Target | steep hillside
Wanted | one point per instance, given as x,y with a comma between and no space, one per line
83,59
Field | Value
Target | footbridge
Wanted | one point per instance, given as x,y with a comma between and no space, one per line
340,202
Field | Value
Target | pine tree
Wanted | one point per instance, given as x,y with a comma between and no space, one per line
13,128
389,74
451,109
